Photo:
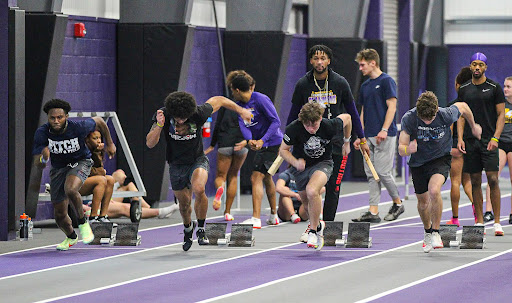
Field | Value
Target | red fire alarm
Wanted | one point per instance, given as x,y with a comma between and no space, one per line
79,30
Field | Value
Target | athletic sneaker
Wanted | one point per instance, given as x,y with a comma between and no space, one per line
436,241
273,219
94,219
228,217
256,222
187,236
67,243
304,236
166,212
106,220
368,217
218,198
427,243
394,211
498,231
481,224
453,221
201,237
488,216
86,232
295,219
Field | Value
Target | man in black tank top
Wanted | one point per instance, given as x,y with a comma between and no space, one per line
486,100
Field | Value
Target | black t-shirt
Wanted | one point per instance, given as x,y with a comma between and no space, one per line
338,94
227,131
482,100
313,148
185,149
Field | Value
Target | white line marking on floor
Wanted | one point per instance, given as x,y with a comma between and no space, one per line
432,277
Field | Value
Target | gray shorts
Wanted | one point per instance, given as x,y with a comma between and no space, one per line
230,151
181,174
58,176
302,177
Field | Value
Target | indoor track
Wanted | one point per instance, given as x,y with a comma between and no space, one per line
278,268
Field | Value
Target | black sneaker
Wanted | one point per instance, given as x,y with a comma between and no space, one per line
368,217
488,216
187,238
201,237
395,211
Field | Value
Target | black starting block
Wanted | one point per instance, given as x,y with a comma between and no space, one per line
241,235
448,233
359,235
216,233
102,233
333,234
472,237
127,234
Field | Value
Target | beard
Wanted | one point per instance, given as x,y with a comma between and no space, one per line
321,71
477,76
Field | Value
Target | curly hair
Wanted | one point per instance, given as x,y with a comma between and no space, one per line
368,55
240,79
427,105
464,75
320,48
311,112
56,103
180,105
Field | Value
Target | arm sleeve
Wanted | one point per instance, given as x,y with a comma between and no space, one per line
389,88
288,137
246,132
275,123
350,107
40,142
87,126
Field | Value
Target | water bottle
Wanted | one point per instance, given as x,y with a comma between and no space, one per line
206,128
30,229
23,227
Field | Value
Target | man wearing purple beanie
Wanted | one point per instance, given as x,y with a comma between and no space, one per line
487,102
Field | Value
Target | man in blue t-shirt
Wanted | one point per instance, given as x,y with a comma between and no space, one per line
64,141
377,98
427,137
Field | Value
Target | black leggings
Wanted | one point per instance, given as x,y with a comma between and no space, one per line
332,188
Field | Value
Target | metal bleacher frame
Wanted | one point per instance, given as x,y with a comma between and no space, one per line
127,152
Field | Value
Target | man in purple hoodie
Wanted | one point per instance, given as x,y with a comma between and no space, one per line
264,136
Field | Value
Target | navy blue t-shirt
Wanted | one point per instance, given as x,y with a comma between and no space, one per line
434,139
372,96
65,148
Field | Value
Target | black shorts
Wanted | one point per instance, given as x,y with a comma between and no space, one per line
506,146
181,174
264,158
302,177
478,158
421,175
58,176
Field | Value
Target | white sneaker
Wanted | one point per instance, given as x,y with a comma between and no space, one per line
498,231
437,242
312,240
273,219
295,219
256,222
166,212
304,236
427,243
228,217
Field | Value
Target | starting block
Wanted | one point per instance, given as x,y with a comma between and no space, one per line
127,234
241,235
359,235
472,237
216,233
333,234
448,233
102,233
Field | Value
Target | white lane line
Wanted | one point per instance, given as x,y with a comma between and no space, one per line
432,277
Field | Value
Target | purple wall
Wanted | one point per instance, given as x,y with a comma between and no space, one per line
87,78
499,65
374,28
4,96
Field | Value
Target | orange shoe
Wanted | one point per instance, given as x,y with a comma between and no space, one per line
453,221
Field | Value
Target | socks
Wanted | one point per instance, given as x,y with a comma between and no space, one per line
434,230
81,220
455,217
429,231
73,235
200,223
188,227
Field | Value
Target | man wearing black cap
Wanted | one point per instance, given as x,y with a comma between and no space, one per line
487,102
